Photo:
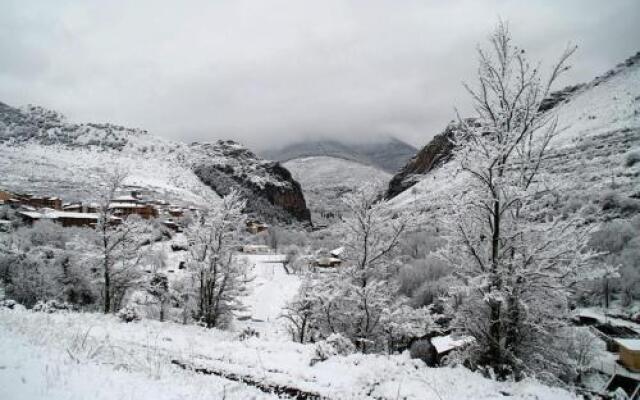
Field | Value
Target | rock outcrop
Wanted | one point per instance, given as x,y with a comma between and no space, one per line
437,152
270,190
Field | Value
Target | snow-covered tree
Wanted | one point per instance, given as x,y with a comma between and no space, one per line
220,277
517,262
360,301
119,243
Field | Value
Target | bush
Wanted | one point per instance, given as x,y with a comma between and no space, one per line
422,349
11,305
632,158
128,314
52,306
248,333
334,345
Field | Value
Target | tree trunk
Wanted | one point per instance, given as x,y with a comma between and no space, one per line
107,289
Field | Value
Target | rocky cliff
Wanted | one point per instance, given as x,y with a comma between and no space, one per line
270,190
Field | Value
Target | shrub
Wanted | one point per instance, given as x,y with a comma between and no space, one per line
334,345
128,314
632,158
11,305
422,349
247,333
51,306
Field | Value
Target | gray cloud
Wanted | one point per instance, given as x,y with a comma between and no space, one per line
266,73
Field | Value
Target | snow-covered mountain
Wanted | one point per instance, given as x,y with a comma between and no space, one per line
325,179
388,154
43,153
594,158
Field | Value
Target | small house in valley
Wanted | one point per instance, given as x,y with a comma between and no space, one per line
256,227
64,218
145,211
629,353
327,262
256,249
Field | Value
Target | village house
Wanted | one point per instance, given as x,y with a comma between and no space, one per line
327,262
65,218
54,203
145,211
256,227
629,353
5,196
256,249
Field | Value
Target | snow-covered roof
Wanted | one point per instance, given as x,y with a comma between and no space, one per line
631,344
70,214
125,205
446,343
59,214
5,222
337,252
125,197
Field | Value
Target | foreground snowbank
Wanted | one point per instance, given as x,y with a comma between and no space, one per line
65,356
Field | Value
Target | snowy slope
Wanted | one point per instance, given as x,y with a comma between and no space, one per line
79,356
599,125
325,179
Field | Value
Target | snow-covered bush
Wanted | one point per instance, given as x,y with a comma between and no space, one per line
248,333
128,314
632,158
11,304
334,345
52,306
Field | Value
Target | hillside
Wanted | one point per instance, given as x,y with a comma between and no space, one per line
591,157
325,179
389,154
46,154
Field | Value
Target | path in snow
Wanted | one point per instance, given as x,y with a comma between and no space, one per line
271,289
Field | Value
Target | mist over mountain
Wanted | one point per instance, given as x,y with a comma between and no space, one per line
388,154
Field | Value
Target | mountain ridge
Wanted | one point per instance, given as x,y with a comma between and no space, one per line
388,154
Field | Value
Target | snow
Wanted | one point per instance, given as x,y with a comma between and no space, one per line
630,344
83,355
598,125
447,343
337,252
271,288
41,367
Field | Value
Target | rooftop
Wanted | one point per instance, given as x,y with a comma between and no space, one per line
631,344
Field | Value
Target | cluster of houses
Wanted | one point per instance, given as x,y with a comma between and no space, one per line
31,208
621,336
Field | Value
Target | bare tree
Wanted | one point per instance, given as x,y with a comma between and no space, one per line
516,262
119,243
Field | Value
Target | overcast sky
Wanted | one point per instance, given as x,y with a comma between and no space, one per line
270,72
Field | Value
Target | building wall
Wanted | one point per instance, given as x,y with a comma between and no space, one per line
629,358
5,195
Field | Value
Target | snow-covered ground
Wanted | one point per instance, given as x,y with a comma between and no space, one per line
80,356
271,288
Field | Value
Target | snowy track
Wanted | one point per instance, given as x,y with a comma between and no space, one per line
271,288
